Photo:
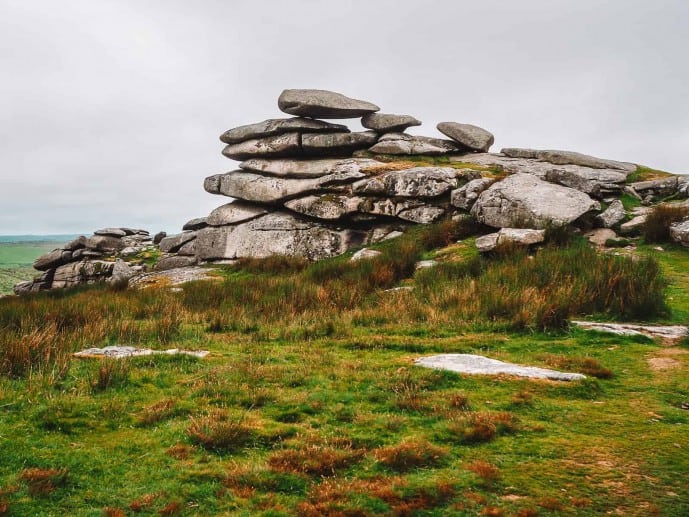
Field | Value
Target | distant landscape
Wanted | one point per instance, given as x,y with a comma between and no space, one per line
17,253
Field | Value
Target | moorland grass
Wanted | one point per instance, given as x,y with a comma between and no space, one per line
309,402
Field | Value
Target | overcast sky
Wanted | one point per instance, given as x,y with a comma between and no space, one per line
110,110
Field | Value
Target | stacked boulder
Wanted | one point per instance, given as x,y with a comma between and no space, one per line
314,189
101,257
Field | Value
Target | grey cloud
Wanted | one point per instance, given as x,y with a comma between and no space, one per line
112,110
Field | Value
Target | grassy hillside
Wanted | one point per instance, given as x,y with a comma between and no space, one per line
310,403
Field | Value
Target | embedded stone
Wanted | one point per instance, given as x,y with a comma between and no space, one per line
336,144
309,168
403,144
288,144
233,213
174,242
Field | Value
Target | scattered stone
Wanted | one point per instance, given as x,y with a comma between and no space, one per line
323,104
679,232
524,201
634,225
612,215
123,352
401,143
600,236
423,264
569,158
159,237
479,365
400,289
517,236
195,224
365,254
272,127
665,332
472,137
386,123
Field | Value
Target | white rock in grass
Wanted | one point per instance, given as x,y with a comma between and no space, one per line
479,365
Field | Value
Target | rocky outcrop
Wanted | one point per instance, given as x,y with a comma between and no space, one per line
89,260
272,127
524,201
679,232
509,236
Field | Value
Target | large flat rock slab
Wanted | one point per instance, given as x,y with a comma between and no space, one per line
124,352
664,332
558,157
323,104
309,168
479,365
404,144
272,127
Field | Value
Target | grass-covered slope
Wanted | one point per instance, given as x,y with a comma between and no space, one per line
310,403
16,259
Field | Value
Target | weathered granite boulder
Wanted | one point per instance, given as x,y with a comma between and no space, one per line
679,232
597,182
233,213
661,187
418,182
365,254
168,262
386,122
50,260
634,225
524,201
75,244
173,243
273,190
336,144
195,224
323,104
600,236
612,215
105,243
83,272
278,233
272,127
112,232
465,196
288,144
568,158
403,144
159,237
515,236
469,136
309,168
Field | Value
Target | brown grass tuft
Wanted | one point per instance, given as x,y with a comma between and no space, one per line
143,502
586,365
157,412
315,460
460,401
411,454
481,427
172,508
179,451
217,432
111,511
658,222
484,470
43,481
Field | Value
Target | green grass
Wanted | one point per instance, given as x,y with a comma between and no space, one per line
16,260
310,403
644,173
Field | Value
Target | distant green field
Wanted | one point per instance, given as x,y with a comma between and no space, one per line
16,259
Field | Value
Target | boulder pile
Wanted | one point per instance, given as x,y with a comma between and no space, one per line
87,260
311,188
